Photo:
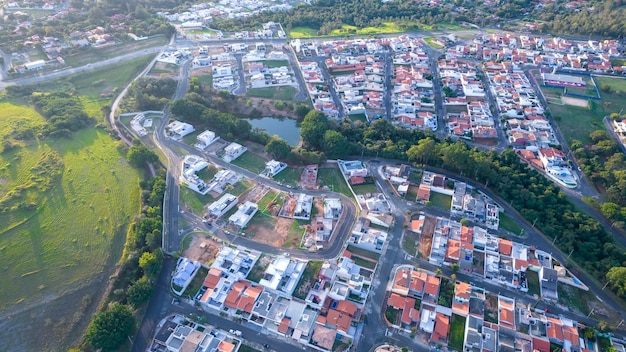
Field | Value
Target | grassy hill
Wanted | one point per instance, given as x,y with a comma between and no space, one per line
64,208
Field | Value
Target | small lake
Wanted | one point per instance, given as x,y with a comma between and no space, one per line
282,127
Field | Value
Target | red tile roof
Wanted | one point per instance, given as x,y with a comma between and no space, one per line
284,325
347,307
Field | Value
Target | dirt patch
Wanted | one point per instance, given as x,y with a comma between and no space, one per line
308,179
581,103
275,236
202,248
426,237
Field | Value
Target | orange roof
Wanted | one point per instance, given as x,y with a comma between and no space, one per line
346,253
423,192
555,330
520,263
232,299
211,279
340,320
401,281
467,234
454,250
506,247
570,334
442,326
407,310
416,225
347,307
225,347
284,325
249,296
432,285
463,290
507,318
541,345
418,280
396,301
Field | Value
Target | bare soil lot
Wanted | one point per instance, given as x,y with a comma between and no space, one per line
202,248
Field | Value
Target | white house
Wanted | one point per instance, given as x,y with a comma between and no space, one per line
191,165
233,151
222,205
222,70
35,65
205,139
273,167
177,129
244,214
332,208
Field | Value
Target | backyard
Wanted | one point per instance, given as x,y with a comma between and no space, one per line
440,200
307,279
365,188
532,279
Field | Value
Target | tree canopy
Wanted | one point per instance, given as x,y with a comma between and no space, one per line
313,128
278,148
110,328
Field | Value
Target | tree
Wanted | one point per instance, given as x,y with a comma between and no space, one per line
138,155
278,148
313,127
422,151
454,267
109,329
301,111
139,292
336,145
617,279
610,210
150,262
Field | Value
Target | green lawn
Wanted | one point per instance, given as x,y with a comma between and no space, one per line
392,314
289,176
196,283
194,200
332,178
276,63
440,200
386,27
294,236
457,332
246,348
239,187
258,270
358,117
277,93
410,242
71,229
365,188
415,177
307,279
430,41
250,161
506,223
364,263
532,278
363,253
267,198
577,123
575,299
303,32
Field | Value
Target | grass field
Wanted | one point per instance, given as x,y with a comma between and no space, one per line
194,201
431,41
332,178
307,279
250,161
289,176
365,188
363,253
506,223
77,227
457,332
386,27
276,63
532,279
577,123
440,200
277,93
303,32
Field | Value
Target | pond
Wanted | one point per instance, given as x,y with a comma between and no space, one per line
284,128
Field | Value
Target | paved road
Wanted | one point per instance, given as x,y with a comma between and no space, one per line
70,71
241,86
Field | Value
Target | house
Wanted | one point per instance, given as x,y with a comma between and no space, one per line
221,206
185,271
233,151
205,139
35,65
282,274
273,168
332,208
462,295
548,279
442,328
243,215
177,129
191,165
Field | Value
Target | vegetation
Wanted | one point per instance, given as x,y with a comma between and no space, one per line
307,279
506,223
332,178
150,94
440,200
286,93
110,328
250,161
457,332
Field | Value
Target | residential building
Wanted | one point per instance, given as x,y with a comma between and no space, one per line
243,215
